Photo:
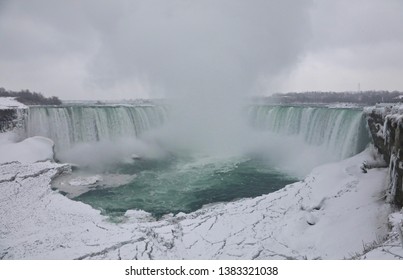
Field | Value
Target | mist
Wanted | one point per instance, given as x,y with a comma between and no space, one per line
204,57
106,154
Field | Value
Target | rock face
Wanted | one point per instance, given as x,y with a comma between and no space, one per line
12,114
11,119
7,117
386,127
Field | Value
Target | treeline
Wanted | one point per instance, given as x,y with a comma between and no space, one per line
30,98
362,97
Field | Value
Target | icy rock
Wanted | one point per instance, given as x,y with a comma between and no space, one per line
85,181
138,215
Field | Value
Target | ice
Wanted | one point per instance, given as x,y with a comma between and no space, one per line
85,181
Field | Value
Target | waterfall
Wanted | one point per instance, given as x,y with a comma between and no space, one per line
69,125
338,131
341,131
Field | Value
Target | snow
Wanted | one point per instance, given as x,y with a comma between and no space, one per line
75,184
392,246
332,214
32,149
10,103
85,181
385,109
343,105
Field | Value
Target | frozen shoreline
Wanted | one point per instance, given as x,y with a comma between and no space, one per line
332,214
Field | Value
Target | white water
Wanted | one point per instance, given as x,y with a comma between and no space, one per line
71,125
341,132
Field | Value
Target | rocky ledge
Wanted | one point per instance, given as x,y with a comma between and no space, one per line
386,127
11,114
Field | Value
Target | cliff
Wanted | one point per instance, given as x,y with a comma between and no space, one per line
386,126
11,114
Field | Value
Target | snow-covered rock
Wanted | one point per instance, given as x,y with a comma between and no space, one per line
85,180
12,114
386,126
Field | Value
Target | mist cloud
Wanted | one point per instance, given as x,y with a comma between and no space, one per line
206,56
201,47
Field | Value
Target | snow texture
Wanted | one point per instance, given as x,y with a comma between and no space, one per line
391,110
32,149
10,103
333,214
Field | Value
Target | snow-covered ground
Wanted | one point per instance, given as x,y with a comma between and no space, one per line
11,103
336,212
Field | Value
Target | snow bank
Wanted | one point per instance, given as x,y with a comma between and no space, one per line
11,103
392,245
329,215
32,149
343,105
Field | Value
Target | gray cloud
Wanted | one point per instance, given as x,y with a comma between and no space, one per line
45,46
105,49
178,46
354,23
42,28
201,46
353,42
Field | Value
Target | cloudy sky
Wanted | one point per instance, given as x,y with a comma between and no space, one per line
100,49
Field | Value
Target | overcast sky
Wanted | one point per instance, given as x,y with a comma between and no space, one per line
100,49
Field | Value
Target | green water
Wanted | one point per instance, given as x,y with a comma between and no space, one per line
185,184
